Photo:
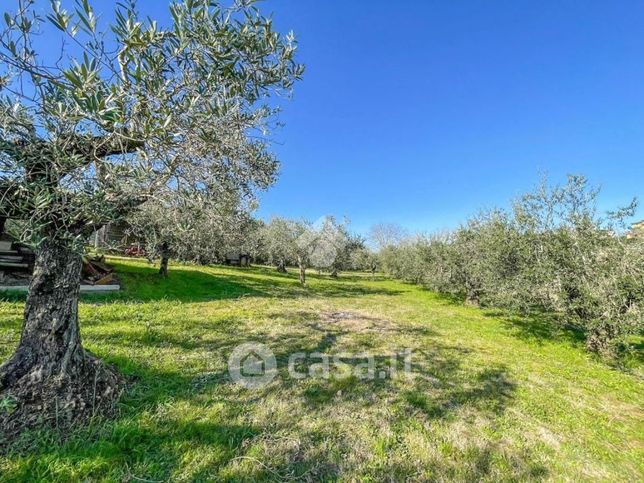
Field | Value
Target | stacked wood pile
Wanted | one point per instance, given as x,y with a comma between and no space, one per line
17,264
15,257
97,272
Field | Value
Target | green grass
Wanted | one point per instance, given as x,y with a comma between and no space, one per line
491,397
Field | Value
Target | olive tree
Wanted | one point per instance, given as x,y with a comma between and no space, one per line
579,263
304,243
346,255
122,113
306,239
329,250
364,259
192,228
278,242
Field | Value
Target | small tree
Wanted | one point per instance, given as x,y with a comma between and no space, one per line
122,114
304,243
191,229
330,245
384,235
306,239
278,241
290,240
365,260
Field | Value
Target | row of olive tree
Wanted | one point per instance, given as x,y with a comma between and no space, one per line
194,229
551,251
327,245
203,230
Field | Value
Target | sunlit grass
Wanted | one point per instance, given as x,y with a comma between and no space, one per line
490,397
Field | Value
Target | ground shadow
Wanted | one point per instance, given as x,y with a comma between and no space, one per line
148,447
141,283
538,326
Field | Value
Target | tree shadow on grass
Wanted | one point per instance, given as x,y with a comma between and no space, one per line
538,327
141,283
147,441
481,464
439,388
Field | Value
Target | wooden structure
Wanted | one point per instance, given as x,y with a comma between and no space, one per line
17,264
14,257
237,259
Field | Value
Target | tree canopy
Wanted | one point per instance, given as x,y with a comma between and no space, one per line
131,110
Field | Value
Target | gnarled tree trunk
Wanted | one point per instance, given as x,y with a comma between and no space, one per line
165,258
50,377
281,267
472,294
302,266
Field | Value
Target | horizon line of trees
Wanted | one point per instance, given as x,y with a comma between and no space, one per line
550,252
203,232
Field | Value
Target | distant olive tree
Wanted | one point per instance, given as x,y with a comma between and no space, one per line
192,229
346,256
383,235
329,251
364,259
123,112
306,239
305,244
279,237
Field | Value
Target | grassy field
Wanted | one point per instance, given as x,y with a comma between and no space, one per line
490,397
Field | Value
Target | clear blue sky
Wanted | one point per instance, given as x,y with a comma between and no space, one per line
422,112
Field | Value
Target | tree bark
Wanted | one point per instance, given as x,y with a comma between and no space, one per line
472,295
281,267
50,376
334,272
300,263
165,258
50,331
163,268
